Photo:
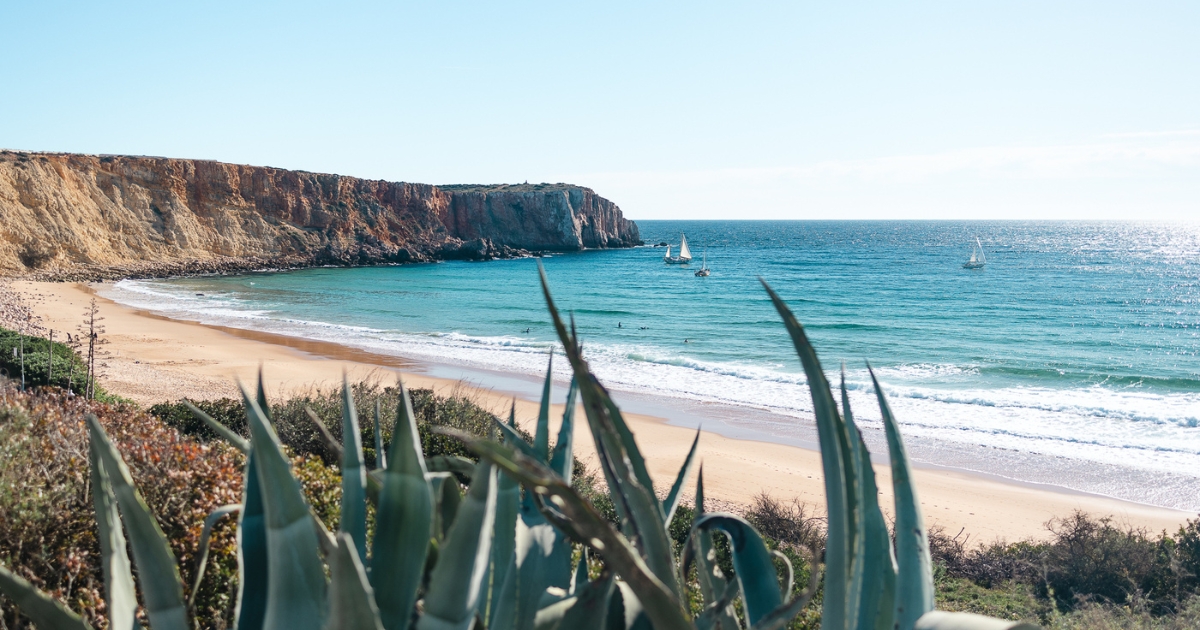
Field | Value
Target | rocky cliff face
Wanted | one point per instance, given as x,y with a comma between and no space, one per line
538,217
67,215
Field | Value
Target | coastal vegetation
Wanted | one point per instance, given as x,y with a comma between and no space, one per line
189,462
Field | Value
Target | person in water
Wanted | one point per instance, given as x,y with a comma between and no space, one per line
618,324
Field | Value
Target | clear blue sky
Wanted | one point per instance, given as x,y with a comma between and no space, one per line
690,110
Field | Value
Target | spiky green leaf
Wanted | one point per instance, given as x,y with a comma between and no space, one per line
874,570
830,432
562,458
225,432
380,455
202,555
662,605
118,573
296,589
353,519
403,522
671,503
457,579
253,566
752,563
162,587
914,570
541,437
351,599
45,611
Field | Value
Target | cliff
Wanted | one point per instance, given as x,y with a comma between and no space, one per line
84,216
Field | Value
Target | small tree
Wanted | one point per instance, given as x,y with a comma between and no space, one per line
92,330
50,360
74,344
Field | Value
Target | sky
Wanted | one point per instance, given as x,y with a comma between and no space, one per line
789,110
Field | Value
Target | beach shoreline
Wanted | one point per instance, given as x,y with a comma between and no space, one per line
155,358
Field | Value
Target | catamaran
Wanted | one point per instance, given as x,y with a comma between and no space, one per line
977,259
703,271
685,255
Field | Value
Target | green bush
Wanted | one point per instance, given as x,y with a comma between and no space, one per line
299,433
47,523
67,363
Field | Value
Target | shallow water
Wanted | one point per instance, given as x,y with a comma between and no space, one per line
1077,341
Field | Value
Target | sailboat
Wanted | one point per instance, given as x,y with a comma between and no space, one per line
685,255
977,259
703,271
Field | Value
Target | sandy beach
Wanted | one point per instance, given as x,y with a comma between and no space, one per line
155,359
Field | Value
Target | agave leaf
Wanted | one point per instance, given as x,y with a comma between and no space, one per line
351,600
380,455
202,556
562,458
580,577
914,572
161,585
446,499
512,437
296,578
402,523
712,582
632,451
326,436
541,439
941,620
616,445
261,398
353,519
830,434
589,611
752,563
714,614
241,443
875,570
550,615
118,573
527,579
542,559
662,605
672,501
45,611
457,464
456,583
253,565
504,540
625,610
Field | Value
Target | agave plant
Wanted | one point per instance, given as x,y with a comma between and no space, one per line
501,556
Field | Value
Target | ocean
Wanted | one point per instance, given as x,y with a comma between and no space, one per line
1072,359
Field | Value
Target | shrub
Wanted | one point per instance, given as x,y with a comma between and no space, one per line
227,411
67,363
299,433
1094,560
46,515
788,523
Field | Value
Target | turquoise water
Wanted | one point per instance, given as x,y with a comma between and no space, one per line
1078,340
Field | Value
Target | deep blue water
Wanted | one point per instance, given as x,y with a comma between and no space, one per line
1077,339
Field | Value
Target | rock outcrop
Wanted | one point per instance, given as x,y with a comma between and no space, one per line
87,216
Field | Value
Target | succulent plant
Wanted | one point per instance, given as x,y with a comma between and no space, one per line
501,558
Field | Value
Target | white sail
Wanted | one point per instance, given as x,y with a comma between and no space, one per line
668,256
684,252
980,245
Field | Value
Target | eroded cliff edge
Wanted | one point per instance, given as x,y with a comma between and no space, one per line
88,216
